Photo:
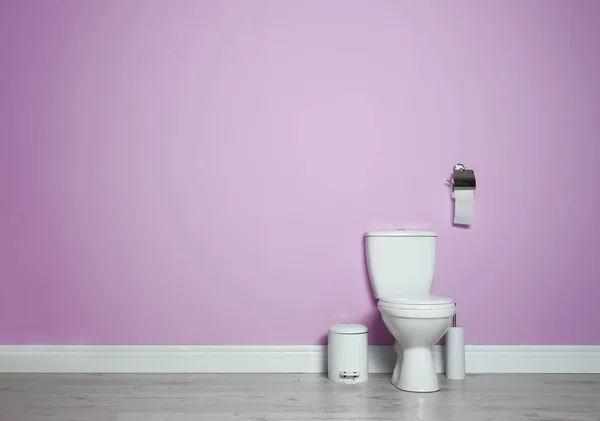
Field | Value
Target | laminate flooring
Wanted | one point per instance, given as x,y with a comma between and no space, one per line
271,397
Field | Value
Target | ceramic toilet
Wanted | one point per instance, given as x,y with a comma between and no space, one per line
401,265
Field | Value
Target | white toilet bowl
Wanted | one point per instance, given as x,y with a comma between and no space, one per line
416,322
401,266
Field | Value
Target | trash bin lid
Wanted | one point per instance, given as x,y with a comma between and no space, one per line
348,329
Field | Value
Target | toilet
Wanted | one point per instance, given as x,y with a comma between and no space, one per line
401,265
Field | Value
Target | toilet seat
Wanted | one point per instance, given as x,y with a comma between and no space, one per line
416,302
418,306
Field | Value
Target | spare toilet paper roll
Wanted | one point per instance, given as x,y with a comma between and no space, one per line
455,353
463,207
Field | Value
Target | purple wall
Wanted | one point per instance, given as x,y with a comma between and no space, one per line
202,172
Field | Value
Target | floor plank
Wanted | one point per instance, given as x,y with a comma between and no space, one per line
272,397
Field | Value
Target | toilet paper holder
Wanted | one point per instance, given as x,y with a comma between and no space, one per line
462,178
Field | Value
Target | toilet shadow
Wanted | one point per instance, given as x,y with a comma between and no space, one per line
378,332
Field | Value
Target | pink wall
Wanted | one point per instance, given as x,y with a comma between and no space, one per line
202,172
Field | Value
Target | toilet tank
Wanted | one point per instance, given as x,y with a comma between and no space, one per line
400,262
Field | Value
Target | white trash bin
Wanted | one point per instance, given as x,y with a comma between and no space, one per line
348,354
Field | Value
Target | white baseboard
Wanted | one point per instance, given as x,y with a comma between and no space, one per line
279,359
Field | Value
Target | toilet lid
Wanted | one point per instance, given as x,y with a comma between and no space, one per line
417,300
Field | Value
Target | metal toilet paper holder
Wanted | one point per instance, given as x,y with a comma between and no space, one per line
462,178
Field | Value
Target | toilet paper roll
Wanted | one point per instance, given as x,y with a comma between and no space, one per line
455,353
463,207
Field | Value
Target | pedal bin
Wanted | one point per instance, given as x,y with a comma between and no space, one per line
348,354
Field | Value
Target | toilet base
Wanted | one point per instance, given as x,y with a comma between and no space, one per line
415,370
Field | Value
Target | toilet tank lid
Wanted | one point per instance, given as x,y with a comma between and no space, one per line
400,233
348,329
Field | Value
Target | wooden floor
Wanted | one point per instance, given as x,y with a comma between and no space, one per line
266,397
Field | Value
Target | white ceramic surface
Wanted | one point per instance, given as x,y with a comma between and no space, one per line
401,267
